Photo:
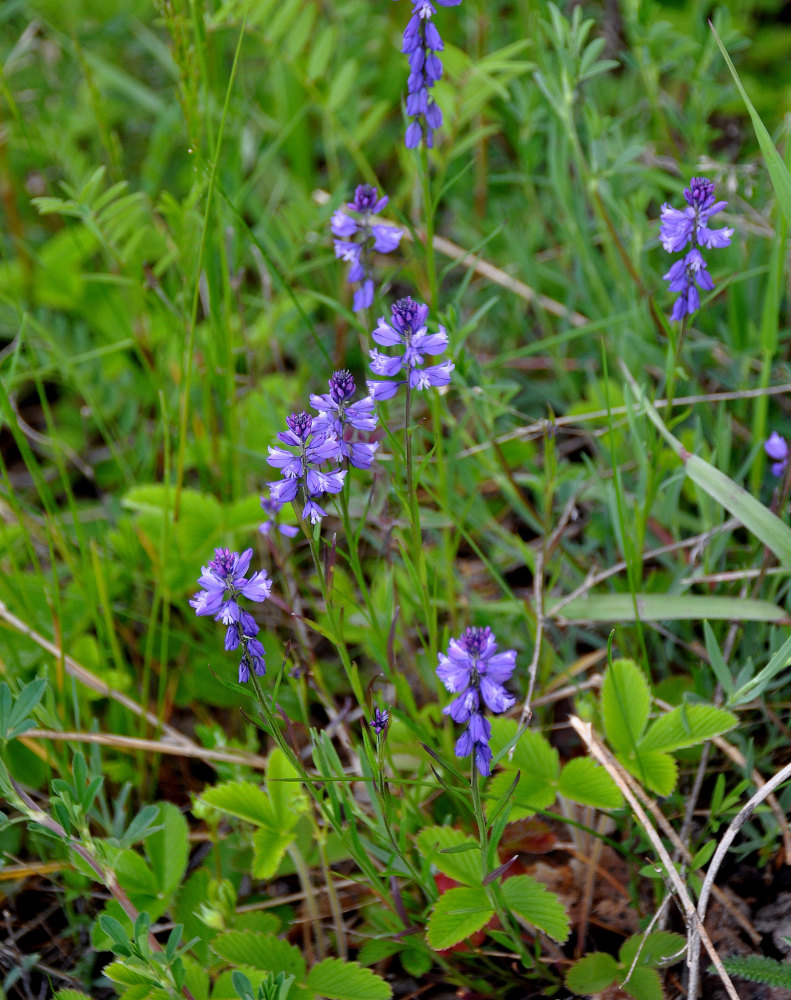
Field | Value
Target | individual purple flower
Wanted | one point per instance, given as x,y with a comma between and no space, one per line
776,448
224,580
407,330
380,720
302,472
476,673
272,508
368,238
690,225
685,276
338,415
422,42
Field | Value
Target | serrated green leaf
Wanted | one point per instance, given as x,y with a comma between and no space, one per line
264,952
457,914
376,949
70,995
134,874
532,794
656,949
117,972
416,963
463,866
242,799
532,901
644,984
592,974
583,781
269,849
625,699
657,771
338,980
168,848
685,726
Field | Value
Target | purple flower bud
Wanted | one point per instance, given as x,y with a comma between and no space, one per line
380,720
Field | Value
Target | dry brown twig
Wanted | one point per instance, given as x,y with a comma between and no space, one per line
597,750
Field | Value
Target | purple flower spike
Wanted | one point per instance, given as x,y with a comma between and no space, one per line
316,444
380,720
690,225
422,42
224,580
339,416
408,331
357,239
776,448
473,670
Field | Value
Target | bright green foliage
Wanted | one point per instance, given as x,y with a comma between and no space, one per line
339,980
760,969
534,903
625,702
541,777
332,978
457,914
452,852
276,811
597,971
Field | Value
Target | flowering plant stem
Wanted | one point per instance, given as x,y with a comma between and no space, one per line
673,356
493,889
428,208
418,552
337,631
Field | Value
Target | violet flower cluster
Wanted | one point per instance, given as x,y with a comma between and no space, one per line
407,330
380,720
690,225
422,42
776,447
476,672
339,416
303,475
367,239
224,580
327,439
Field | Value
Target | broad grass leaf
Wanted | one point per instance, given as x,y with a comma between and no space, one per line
168,848
625,699
531,900
242,799
592,974
686,726
457,914
463,866
666,607
583,781
338,980
264,952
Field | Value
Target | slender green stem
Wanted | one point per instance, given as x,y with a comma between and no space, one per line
428,208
